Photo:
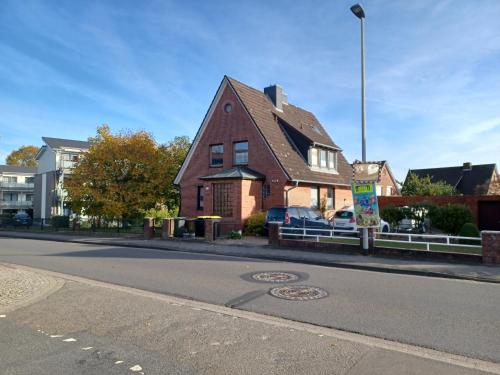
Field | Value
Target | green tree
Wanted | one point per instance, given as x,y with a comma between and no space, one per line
24,156
415,185
123,175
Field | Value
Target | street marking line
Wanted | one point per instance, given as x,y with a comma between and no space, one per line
71,339
3,316
55,336
87,348
417,351
118,362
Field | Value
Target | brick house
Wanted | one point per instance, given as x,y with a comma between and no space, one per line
254,151
388,185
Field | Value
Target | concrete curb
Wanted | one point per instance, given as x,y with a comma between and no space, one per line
344,265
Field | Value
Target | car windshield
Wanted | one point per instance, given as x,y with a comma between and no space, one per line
343,214
276,214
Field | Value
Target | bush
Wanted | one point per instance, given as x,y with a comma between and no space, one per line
393,215
60,222
469,230
451,218
254,225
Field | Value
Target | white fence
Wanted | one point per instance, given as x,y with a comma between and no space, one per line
407,239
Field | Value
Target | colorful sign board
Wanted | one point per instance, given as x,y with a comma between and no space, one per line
366,205
365,172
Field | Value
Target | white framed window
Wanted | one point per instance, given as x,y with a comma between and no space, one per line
314,196
314,157
322,158
330,198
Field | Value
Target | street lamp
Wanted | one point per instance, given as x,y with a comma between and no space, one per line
360,13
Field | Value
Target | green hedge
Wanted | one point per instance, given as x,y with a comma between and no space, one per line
60,221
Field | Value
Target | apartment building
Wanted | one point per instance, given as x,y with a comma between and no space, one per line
16,189
56,159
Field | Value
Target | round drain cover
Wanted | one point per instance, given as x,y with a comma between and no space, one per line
298,292
275,277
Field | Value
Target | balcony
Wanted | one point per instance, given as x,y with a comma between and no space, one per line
65,165
16,204
16,186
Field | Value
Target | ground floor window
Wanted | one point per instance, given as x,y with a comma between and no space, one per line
314,196
330,198
200,198
223,199
266,191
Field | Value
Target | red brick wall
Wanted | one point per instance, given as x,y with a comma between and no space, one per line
468,200
251,192
226,129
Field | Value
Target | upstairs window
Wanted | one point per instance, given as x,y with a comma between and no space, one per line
314,157
332,160
241,153
322,158
216,155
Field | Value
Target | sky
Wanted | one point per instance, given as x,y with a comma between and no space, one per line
432,70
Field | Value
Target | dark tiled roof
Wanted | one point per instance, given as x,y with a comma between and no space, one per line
465,182
265,115
242,173
16,169
70,143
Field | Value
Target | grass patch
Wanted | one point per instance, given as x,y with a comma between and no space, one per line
344,241
432,247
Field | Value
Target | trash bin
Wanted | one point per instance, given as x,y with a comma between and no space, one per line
217,226
199,227
191,226
179,224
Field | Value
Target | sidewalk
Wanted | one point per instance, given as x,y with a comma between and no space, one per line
258,248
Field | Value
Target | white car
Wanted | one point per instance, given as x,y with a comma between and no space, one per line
344,219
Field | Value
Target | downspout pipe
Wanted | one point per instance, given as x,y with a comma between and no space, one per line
288,190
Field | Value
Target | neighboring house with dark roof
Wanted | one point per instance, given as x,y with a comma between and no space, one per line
467,179
254,151
16,189
55,162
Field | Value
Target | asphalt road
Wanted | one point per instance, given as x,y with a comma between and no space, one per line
455,316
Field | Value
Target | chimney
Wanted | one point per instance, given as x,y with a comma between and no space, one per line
467,166
277,96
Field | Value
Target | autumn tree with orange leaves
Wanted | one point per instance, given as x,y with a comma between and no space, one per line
124,174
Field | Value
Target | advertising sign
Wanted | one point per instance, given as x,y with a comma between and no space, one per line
365,205
366,172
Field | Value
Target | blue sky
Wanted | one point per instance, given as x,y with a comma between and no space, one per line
433,70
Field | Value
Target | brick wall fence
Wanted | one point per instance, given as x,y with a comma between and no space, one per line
472,201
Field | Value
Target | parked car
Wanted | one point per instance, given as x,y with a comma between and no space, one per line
297,217
345,220
22,219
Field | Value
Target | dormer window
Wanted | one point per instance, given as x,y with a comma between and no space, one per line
323,160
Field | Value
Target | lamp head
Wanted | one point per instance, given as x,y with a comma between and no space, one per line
358,11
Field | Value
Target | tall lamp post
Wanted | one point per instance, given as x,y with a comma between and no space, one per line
360,13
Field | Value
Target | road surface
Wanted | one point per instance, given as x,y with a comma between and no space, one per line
454,316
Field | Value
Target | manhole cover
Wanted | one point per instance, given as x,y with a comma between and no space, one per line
275,277
298,292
